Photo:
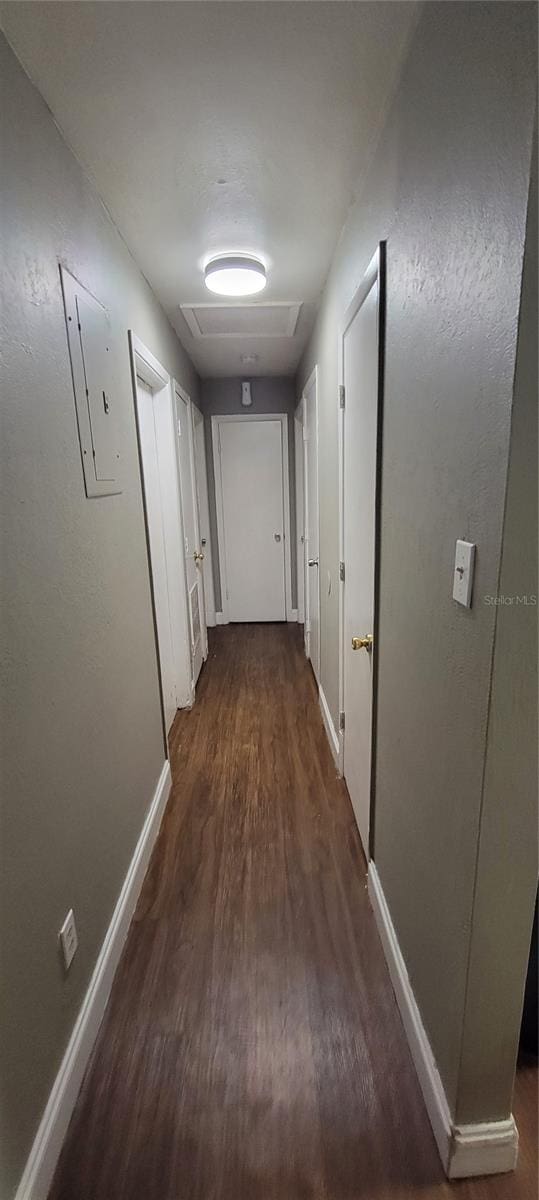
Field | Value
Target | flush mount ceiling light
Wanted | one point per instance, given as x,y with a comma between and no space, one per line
235,275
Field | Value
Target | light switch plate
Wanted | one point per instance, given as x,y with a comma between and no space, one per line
463,575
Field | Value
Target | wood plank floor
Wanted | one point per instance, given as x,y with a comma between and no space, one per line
252,1048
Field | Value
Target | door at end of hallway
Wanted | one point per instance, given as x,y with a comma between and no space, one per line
252,502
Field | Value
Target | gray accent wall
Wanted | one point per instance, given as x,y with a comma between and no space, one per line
81,723
507,864
269,395
448,189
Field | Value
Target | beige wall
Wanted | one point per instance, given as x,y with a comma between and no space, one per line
448,190
82,738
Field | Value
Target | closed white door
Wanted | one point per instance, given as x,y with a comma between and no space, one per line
360,371
252,515
193,550
300,519
154,502
311,517
201,476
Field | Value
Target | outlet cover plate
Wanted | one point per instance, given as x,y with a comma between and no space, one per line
68,939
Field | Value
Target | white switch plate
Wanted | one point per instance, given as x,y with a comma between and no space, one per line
68,939
463,576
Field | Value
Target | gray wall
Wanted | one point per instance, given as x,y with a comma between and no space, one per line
448,189
269,395
82,735
507,860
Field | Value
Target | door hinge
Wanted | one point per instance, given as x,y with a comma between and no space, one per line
341,572
342,395
341,722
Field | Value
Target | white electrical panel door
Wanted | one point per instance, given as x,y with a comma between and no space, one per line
89,348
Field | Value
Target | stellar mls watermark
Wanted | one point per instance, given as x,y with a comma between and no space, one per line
509,601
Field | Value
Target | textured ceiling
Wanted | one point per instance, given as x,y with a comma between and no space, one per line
220,126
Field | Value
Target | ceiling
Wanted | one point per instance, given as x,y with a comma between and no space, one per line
221,126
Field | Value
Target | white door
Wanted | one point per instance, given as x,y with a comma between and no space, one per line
360,375
300,520
193,550
311,549
156,536
201,476
252,541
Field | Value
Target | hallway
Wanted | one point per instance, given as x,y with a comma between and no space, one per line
252,1048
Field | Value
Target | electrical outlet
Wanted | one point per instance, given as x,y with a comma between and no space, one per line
68,939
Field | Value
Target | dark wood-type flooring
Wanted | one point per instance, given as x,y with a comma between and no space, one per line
252,1048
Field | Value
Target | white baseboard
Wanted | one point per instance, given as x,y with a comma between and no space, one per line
490,1148
465,1150
333,737
40,1167
220,619
293,615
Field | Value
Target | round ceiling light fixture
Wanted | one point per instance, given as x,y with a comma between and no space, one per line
235,275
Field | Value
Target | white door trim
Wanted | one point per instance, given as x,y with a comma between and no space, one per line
216,421
375,269
145,366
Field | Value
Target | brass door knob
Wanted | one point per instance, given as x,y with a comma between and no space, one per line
198,556
362,643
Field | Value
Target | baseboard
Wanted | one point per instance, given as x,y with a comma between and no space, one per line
465,1150
490,1148
40,1167
333,737
220,619
293,615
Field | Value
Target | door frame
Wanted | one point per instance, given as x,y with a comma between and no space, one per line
179,392
375,270
312,379
216,421
145,366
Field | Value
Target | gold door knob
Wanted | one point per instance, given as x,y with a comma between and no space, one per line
198,556
364,643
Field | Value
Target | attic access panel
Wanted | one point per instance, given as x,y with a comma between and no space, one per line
273,319
88,336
